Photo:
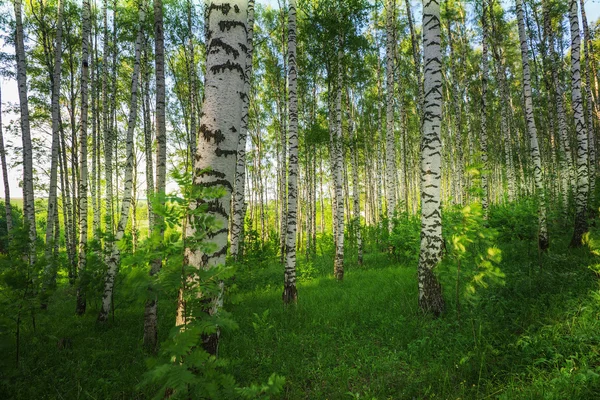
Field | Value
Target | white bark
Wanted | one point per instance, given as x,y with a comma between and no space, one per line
484,111
290,292
538,173
83,167
581,196
430,294
390,142
28,194
239,207
338,171
7,206
52,224
217,145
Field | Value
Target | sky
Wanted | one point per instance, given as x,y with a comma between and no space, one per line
10,93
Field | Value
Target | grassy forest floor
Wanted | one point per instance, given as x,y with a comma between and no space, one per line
535,337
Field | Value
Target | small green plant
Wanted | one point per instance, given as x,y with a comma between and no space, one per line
184,368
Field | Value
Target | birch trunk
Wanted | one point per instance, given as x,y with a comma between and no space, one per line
290,293
217,147
432,242
390,142
581,195
150,313
83,167
538,173
239,207
114,256
566,159
589,116
52,195
484,109
338,171
355,187
28,194
7,206
107,128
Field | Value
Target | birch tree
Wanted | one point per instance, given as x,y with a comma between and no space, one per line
538,173
581,195
390,142
83,166
7,206
52,223
239,206
484,110
432,242
290,293
114,255
150,314
220,124
28,194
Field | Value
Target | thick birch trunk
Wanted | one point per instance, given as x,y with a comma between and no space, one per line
290,293
239,208
581,195
538,173
432,242
217,147
114,256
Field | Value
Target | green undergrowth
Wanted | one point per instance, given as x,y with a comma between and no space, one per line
536,336
532,333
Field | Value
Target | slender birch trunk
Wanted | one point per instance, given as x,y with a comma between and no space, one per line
290,293
338,171
28,193
538,173
83,166
114,255
239,207
581,196
432,242
566,159
107,127
217,147
150,192
390,142
7,206
52,195
484,110
355,188
589,116
150,313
